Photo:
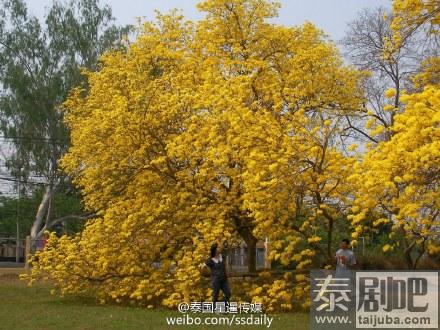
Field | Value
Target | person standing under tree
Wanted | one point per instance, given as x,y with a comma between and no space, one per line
219,278
345,262
345,259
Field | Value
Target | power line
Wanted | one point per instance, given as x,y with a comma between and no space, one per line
29,182
32,138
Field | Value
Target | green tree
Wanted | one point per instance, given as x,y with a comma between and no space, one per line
64,207
39,63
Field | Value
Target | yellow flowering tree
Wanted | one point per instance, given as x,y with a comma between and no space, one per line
181,140
411,15
397,180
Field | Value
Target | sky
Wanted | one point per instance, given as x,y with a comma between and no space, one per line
330,15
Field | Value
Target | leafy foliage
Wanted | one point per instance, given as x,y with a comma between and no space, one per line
224,129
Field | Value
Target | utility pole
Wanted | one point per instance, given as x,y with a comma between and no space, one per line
17,244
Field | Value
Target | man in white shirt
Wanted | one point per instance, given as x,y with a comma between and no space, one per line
345,259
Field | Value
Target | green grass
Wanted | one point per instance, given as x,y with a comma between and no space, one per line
35,308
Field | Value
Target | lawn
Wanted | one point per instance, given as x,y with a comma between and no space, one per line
35,308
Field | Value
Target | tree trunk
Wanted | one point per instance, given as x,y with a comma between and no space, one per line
420,255
251,244
244,227
330,240
408,258
42,208
407,252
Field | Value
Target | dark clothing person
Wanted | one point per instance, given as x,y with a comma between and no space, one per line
218,268
221,285
219,278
